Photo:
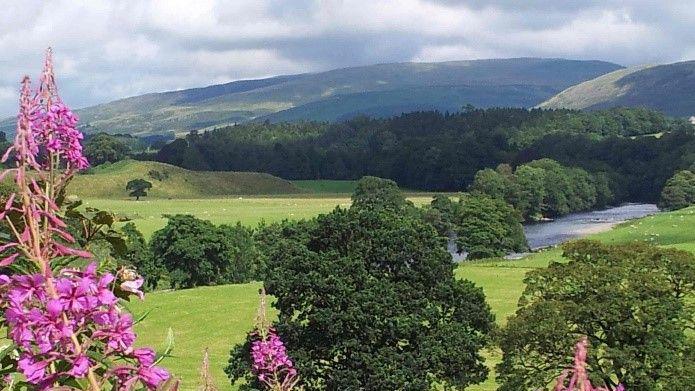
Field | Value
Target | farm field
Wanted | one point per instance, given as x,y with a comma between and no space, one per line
147,213
229,310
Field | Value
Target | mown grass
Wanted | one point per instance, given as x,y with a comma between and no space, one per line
219,317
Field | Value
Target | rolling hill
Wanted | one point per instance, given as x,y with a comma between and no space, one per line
378,90
666,88
109,181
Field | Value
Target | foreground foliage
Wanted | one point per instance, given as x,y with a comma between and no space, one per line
632,301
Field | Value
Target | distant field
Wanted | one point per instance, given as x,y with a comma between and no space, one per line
109,181
327,186
228,311
148,213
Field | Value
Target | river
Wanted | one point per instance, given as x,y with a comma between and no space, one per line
575,225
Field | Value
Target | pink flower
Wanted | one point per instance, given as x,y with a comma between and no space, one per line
133,286
35,371
80,366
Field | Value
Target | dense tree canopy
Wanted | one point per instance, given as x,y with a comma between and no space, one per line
195,252
679,191
102,148
435,151
632,301
367,300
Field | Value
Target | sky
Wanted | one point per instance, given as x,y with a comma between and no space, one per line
105,50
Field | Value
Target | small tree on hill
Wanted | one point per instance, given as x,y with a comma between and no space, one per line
138,188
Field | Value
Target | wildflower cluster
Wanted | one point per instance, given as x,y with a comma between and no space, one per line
65,323
579,381
271,364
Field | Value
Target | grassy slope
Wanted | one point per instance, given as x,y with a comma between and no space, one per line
228,311
109,182
666,88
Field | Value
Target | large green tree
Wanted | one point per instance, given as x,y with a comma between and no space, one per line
634,302
487,227
679,191
367,300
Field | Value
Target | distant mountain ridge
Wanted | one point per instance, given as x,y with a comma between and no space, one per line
666,88
377,90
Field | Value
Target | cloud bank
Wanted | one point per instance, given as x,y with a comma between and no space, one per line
107,50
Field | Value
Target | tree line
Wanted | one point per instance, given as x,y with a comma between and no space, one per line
637,149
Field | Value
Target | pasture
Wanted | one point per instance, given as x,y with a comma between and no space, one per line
219,317
148,213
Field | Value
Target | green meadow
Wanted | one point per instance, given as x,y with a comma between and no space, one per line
148,213
228,311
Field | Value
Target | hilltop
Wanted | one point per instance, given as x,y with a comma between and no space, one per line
377,90
109,181
666,88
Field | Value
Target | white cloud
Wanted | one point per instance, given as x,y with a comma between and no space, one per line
111,49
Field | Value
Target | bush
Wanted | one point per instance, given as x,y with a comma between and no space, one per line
632,301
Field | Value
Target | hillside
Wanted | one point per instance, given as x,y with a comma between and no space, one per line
174,182
666,88
380,90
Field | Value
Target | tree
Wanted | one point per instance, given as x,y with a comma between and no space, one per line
679,191
633,302
367,300
487,227
191,250
531,184
138,188
102,148
244,260
139,255
377,193
195,252
491,183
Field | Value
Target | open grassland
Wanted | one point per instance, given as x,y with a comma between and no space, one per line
219,317
327,186
109,181
148,213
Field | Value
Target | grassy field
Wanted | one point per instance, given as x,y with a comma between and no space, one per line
109,181
327,186
148,213
229,310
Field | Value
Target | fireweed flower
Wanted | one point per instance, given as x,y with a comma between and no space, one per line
579,381
60,319
271,364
